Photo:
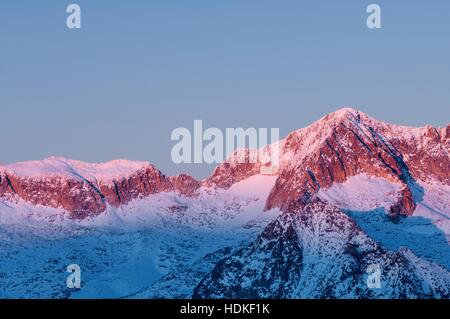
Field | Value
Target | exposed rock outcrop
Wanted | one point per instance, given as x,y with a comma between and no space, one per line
85,189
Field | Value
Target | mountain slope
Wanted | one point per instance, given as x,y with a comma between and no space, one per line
316,251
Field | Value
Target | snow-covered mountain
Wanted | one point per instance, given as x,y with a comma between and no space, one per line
349,191
316,251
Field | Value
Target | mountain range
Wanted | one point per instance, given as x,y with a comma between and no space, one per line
350,192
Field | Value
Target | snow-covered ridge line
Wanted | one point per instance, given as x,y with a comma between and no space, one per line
340,145
351,113
122,168
348,114
59,166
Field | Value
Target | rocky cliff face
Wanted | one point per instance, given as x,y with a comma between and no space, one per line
235,169
345,144
185,185
341,145
80,197
425,152
4,183
62,183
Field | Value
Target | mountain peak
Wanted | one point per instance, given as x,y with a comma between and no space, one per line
345,111
344,114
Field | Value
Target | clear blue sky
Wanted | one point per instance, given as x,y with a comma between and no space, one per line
138,69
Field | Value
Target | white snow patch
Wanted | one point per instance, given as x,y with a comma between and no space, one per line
361,193
255,186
